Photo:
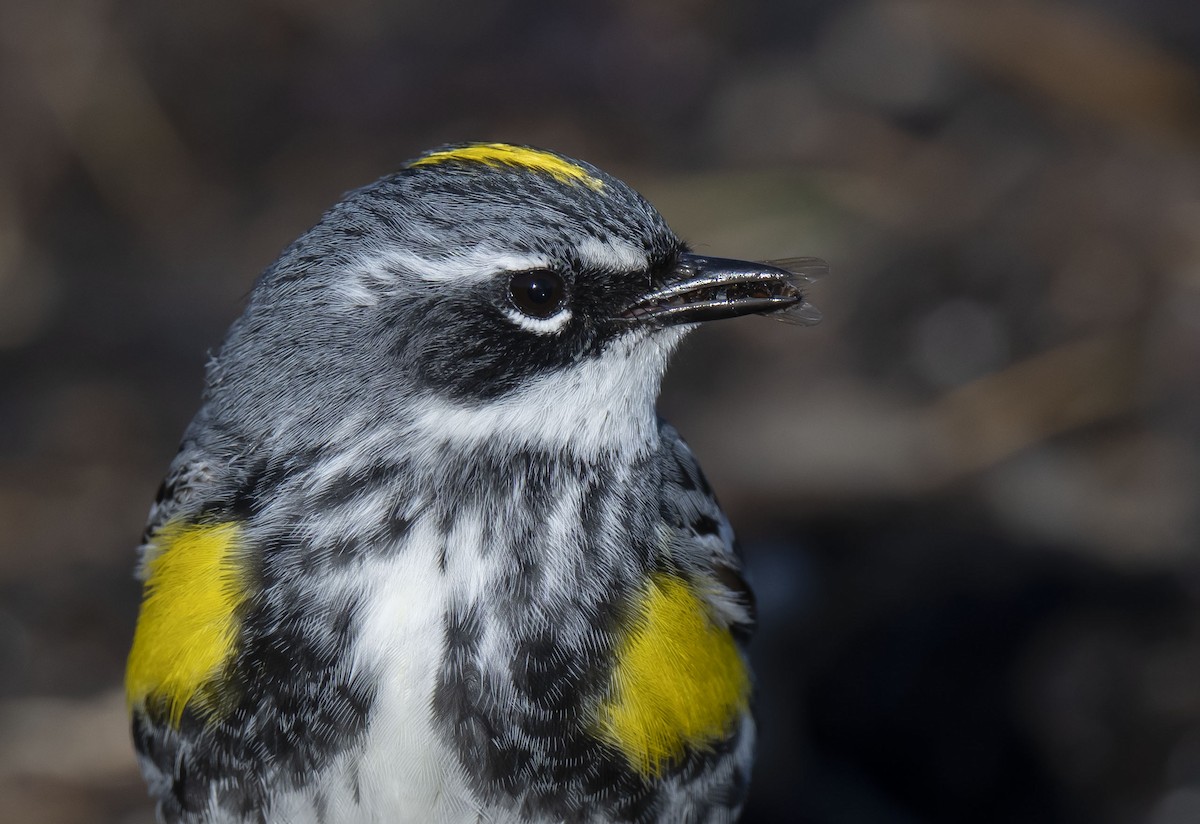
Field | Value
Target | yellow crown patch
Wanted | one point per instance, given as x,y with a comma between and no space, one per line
504,154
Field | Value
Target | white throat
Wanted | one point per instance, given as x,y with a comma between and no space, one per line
603,405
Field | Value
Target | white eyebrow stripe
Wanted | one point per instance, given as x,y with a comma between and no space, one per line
614,255
478,263
372,275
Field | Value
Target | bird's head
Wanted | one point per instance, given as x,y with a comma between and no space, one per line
485,294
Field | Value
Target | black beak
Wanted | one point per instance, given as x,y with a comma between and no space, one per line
701,288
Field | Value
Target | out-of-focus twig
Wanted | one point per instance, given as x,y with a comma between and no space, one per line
1076,57
994,417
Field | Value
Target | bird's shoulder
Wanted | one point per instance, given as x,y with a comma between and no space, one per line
188,477
703,543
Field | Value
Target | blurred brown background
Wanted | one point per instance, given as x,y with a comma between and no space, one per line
969,497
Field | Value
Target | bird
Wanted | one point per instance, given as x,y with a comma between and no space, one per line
426,552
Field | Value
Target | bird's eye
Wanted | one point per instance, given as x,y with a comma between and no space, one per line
539,293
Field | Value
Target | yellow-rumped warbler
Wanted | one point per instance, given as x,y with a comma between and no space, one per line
426,553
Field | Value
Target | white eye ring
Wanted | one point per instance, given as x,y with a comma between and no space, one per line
540,326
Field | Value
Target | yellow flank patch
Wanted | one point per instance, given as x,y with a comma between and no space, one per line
504,154
188,626
679,680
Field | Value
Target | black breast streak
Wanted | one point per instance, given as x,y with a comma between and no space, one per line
522,726
295,708
289,704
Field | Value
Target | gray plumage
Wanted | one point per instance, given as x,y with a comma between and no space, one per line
447,507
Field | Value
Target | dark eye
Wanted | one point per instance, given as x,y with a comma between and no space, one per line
539,293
